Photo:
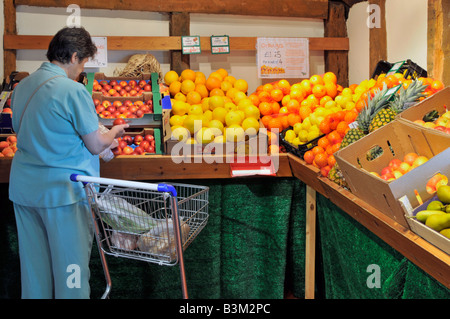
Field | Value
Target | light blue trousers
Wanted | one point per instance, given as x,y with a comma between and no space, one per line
54,248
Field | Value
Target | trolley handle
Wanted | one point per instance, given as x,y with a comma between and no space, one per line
161,187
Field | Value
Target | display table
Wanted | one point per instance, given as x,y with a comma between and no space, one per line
254,243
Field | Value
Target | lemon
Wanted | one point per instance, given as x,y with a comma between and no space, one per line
230,106
180,107
219,113
252,111
187,86
170,77
244,103
239,96
313,134
231,93
251,126
215,101
220,139
208,114
234,133
216,124
303,136
176,120
180,97
225,86
180,133
296,142
297,127
195,109
204,135
233,118
230,78
205,120
205,104
193,123
290,135
241,85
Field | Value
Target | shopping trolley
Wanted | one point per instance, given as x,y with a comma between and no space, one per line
144,221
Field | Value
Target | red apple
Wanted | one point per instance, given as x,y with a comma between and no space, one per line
128,88
151,149
144,144
127,103
116,151
138,139
119,121
149,137
117,104
147,88
106,103
111,109
106,114
133,92
122,144
96,102
113,83
122,92
132,83
386,170
128,139
440,128
404,168
447,130
139,150
395,163
11,139
142,83
122,109
132,108
139,113
123,83
99,108
127,150
115,114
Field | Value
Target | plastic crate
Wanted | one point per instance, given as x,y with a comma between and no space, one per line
408,68
301,149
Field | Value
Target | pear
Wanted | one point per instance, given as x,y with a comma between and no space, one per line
435,205
443,194
438,222
423,215
446,232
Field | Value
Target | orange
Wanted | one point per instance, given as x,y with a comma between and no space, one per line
324,171
319,91
275,124
324,126
330,77
187,74
308,157
264,96
321,159
275,107
254,98
293,118
360,104
323,142
331,89
313,101
267,87
285,100
437,86
306,86
316,79
284,121
342,128
265,108
335,147
265,120
202,90
216,91
324,100
297,94
334,137
276,94
284,86
350,116
304,112
272,138
339,115
317,149
223,73
293,106
331,160
212,83
193,97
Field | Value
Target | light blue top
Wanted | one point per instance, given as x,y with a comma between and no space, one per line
49,141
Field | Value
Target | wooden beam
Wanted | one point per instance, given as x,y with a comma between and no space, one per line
179,25
316,9
9,55
336,26
377,37
41,42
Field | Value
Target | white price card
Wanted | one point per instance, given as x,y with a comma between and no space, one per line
283,57
190,45
100,60
220,44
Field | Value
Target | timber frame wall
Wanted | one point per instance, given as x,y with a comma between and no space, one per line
335,44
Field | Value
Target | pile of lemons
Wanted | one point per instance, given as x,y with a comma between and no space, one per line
210,109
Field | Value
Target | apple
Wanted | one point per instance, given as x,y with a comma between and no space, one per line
147,88
115,114
144,144
116,151
138,139
376,174
113,83
132,108
419,161
122,144
106,103
404,168
117,104
139,113
446,115
122,109
139,150
145,109
127,103
447,130
128,88
119,121
151,149
96,102
106,114
395,163
142,83
111,109
99,108
441,121
397,174
132,83
386,170
127,150
133,92
128,139
149,137
440,128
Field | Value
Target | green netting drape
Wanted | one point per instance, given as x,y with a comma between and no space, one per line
348,250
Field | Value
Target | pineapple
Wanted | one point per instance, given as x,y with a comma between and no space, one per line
401,101
365,117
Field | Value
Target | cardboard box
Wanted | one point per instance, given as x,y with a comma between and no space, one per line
420,228
396,139
439,101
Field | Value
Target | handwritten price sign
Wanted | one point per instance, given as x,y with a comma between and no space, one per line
100,59
283,57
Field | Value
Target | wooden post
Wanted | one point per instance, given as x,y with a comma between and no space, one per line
438,44
310,249
377,37
9,56
179,25
335,26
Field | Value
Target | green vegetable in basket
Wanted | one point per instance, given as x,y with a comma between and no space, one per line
121,215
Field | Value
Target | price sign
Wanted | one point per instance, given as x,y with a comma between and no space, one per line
220,44
283,57
190,45
100,59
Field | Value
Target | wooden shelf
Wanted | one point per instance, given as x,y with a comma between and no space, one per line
423,254
41,42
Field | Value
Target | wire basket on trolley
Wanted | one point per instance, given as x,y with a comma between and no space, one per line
143,221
